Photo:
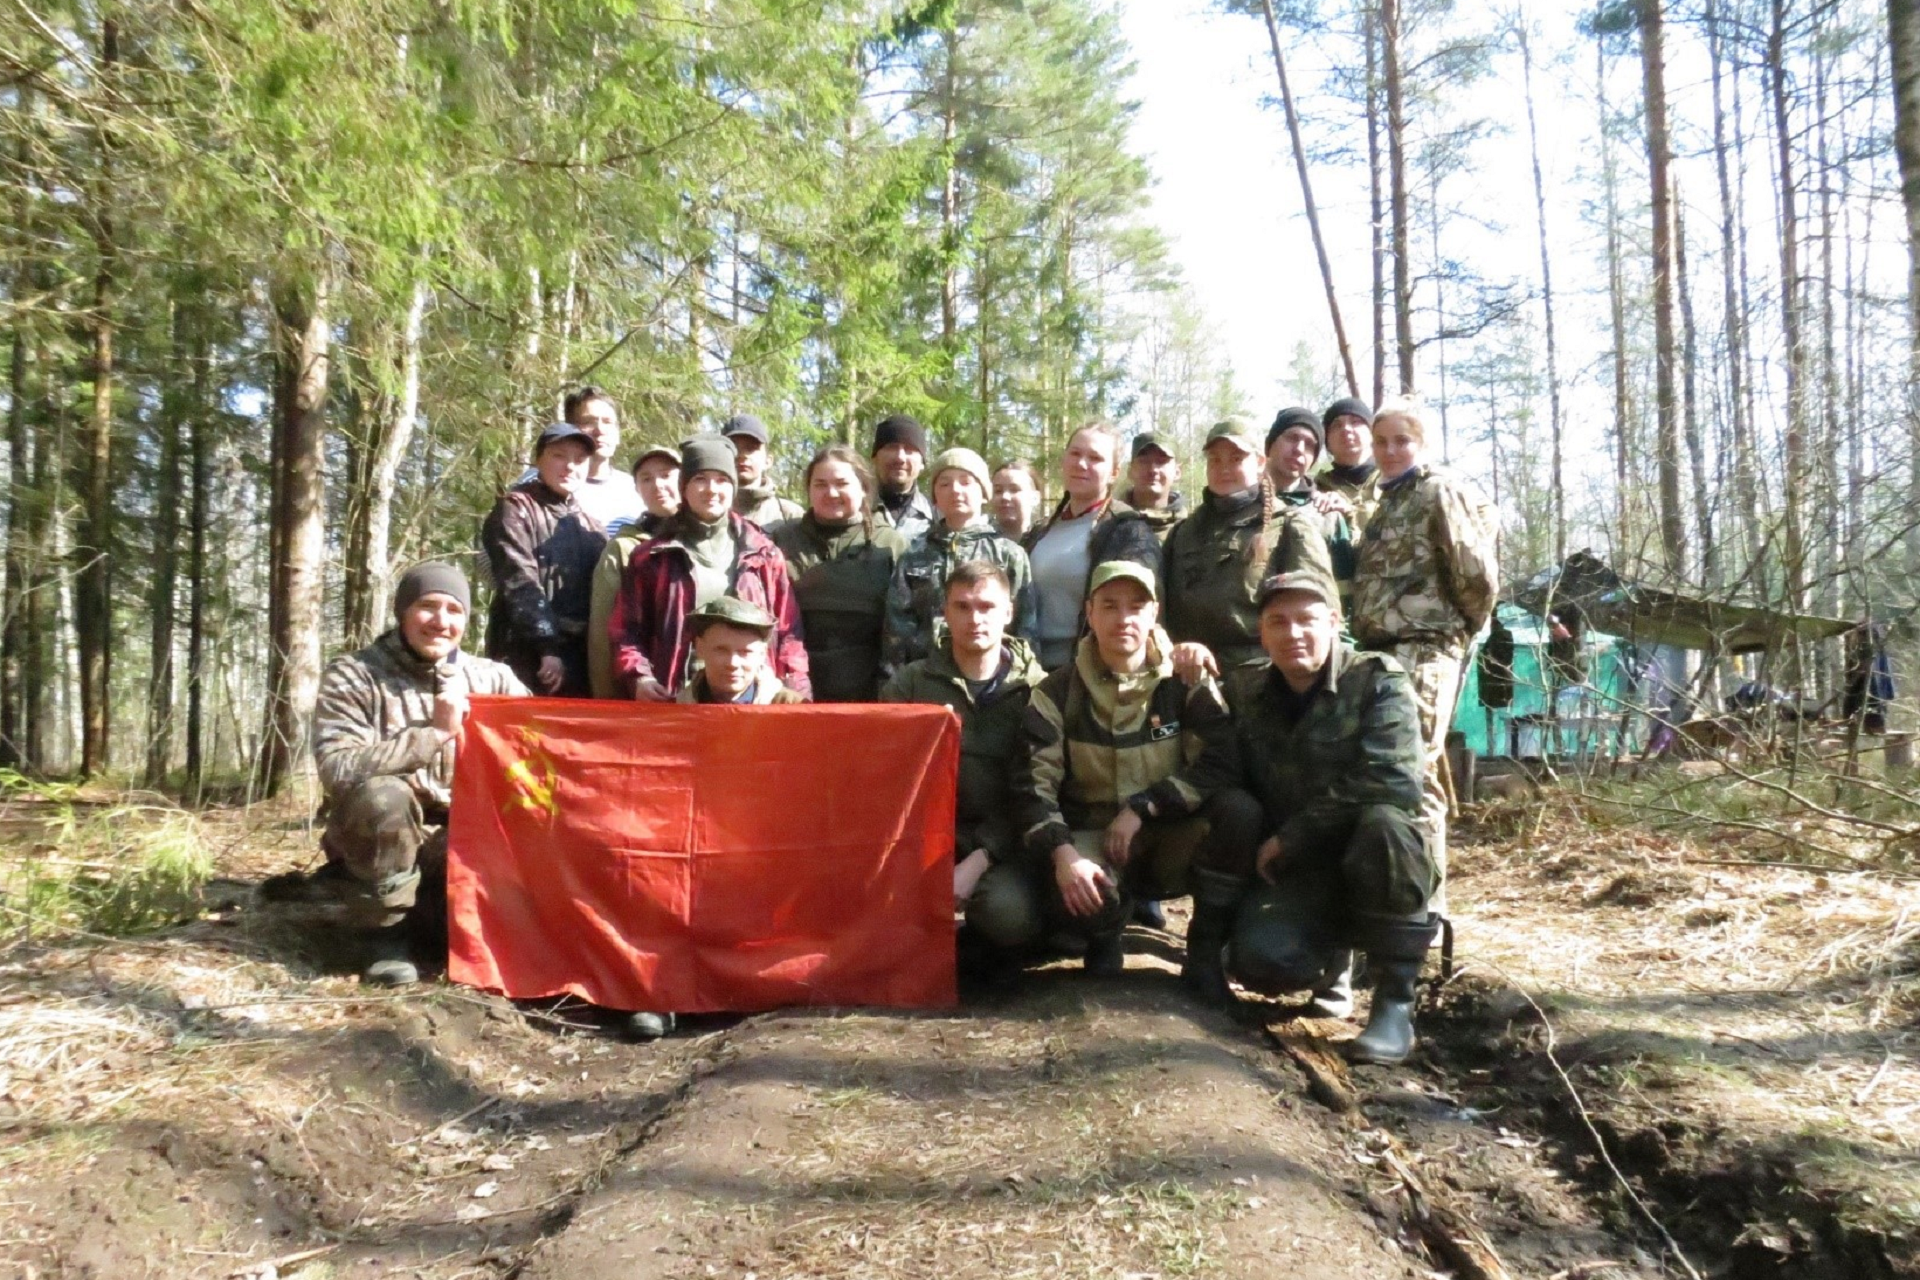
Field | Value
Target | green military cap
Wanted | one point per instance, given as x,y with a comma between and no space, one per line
735,613
1117,570
1148,440
1310,581
1241,432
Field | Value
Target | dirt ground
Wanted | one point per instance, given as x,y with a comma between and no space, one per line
211,1101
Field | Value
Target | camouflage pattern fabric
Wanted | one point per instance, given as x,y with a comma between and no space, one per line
1435,673
1428,564
1213,568
916,599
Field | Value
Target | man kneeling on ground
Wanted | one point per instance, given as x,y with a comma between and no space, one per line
1328,740
730,639
985,677
1119,756
384,730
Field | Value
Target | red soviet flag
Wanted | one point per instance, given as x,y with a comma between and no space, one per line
700,859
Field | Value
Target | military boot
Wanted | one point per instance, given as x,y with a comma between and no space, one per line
1333,994
1395,948
643,1026
386,958
1106,955
1216,898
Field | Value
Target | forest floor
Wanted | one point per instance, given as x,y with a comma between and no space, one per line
1636,1044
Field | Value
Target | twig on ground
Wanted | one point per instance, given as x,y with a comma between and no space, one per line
1879,1074
1586,1119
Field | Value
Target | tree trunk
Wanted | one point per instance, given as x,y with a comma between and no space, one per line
200,450
93,607
1794,557
950,206
1746,483
370,580
1617,312
14,636
1653,60
1557,494
1690,404
299,510
1903,32
1397,192
1376,217
1306,197
166,536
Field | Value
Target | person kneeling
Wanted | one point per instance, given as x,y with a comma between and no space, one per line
1329,744
730,639
1118,758
384,730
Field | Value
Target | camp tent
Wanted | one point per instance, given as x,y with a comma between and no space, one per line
1589,715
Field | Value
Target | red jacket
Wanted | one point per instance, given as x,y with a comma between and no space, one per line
649,629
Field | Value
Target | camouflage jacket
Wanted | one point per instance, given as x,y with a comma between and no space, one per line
1160,519
374,717
1092,742
1359,485
1315,761
1429,562
915,599
989,738
765,507
1213,570
1342,548
911,521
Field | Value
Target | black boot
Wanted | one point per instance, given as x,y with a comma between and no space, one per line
386,958
1216,898
1395,948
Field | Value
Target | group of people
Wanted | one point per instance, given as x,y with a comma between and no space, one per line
1245,702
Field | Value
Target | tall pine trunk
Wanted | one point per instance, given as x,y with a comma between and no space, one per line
166,537
200,476
1616,312
302,351
369,577
93,604
1903,31
1557,493
1376,205
1397,192
1746,484
1795,551
1653,66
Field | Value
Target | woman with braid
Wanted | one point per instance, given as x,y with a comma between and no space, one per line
1216,558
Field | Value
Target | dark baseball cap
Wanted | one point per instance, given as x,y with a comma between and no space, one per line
555,432
1148,440
745,424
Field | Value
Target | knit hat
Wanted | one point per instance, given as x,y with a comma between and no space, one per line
1287,419
745,424
962,460
555,432
899,429
733,612
435,576
1311,581
1118,570
1238,430
1350,405
708,453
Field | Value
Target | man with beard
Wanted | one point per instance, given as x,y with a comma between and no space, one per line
899,455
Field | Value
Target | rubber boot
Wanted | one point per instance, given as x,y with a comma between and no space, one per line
1215,899
1395,948
386,959
644,1027
1106,955
1149,913
1333,997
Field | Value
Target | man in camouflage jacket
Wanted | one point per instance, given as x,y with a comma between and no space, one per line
989,694
1328,742
1426,582
1119,760
384,729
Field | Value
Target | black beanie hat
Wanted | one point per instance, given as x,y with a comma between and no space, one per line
709,453
1350,405
1295,416
899,429
425,580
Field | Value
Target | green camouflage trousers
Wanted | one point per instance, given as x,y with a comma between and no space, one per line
379,835
1435,671
1289,934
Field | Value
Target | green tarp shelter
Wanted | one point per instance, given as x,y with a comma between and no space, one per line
1590,715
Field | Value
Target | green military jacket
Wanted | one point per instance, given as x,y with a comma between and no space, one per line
1429,566
916,599
1213,572
1160,519
1355,744
1359,485
840,579
1342,551
1093,742
989,739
